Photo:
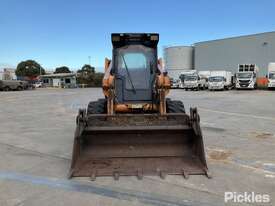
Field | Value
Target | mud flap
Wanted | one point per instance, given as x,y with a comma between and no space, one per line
138,145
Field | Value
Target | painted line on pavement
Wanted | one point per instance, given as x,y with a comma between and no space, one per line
71,185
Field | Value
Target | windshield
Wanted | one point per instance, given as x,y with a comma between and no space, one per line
271,76
216,79
244,75
190,78
135,60
135,57
136,64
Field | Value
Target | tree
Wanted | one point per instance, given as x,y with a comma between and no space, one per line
87,69
98,79
87,75
62,69
29,68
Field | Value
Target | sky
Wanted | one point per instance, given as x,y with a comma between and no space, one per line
67,32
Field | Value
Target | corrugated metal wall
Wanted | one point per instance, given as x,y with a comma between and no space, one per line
226,54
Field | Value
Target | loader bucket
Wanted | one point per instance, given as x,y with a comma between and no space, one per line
138,145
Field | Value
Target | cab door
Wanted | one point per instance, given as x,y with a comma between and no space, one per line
135,75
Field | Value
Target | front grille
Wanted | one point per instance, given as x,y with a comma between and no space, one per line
244,81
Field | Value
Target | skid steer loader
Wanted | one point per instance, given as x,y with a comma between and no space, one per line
135,130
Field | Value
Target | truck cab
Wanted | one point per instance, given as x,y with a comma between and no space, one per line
246,77
175,83
191,80
216,83
204,76
220,80
271,76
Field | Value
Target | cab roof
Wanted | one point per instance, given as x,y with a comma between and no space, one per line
146,39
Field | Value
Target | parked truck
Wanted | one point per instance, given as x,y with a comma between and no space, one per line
246,76
191,80
10,85
204,76
220,80
271,75
175,83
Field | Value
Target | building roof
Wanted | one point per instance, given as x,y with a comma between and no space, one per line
178,46
59,75
9,69
236,37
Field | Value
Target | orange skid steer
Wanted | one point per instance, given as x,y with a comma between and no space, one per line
135,130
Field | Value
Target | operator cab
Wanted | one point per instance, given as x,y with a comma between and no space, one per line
134,66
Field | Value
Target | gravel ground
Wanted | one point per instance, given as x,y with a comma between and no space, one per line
36,137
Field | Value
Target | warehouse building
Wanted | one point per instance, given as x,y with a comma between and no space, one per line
226,54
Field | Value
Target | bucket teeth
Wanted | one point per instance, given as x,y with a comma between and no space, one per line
185,174
162,174
139,174
93,176
70,174
116,175
207,173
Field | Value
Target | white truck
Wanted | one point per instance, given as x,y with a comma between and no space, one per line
220,80
175,83
191,80
271,75
204,76
246,76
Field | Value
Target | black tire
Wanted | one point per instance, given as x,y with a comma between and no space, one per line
19,88
97,107
174,106
6,89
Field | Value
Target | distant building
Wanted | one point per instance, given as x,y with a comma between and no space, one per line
61,80
8,74
226,54
49,71
222,54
